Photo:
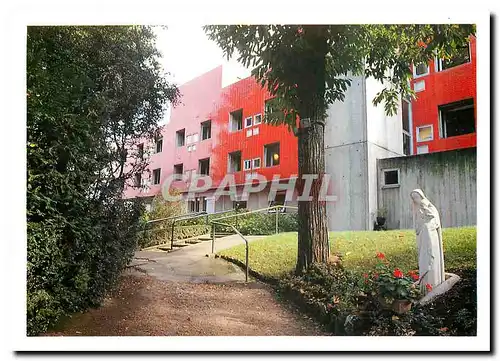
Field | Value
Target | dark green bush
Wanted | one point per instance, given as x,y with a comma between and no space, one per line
265,223
331,294
92,93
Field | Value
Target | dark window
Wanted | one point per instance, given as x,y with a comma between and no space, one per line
234,162
457,118
421,69
159,145
204,166
203,204
239,205
180,137
236,120
248,122
140,151
206,130
279,200
156,176
192,206
405,118
461,57
405,107
406,144
272,154
137,179
391,177
178,171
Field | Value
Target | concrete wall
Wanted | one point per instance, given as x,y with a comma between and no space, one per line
448,179
357,133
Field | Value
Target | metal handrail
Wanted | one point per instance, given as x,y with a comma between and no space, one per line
215,222
238,232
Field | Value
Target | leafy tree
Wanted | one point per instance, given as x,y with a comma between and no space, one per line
307,67
92,93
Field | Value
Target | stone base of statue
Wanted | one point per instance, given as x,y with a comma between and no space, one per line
450,280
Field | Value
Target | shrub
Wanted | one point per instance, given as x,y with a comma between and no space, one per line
265,223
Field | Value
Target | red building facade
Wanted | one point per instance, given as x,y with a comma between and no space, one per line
443,116
217,131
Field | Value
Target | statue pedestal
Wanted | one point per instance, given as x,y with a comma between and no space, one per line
450,280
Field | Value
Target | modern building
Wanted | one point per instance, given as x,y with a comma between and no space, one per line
218,129
443,117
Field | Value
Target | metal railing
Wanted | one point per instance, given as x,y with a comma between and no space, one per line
216,221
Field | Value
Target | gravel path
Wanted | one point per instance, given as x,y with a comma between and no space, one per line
146,306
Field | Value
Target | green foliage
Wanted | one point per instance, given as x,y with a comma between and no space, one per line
91,93
307,67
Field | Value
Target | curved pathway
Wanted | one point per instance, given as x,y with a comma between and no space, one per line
186,293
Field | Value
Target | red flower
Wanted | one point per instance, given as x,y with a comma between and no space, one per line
428,286
380,255
397,273
300,30
375,276
414,276
365,275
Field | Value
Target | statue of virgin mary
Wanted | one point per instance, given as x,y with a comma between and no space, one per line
429,242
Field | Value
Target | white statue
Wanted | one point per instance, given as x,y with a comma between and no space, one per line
429,242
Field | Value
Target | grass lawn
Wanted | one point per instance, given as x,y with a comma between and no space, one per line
275,256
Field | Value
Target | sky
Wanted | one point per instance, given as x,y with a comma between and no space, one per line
187,53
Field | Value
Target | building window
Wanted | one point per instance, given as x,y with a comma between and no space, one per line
192,206
257,119
421,69
180,137
156,175
279,200
236,120
247,165
457,118
272,154
204,166
391,177
196,137
461,57
159,145
255,131
405,118
203,203
140,151
425,133
422,149
249,133
206,130
189,139
248,122
256,163
179,170
234,162
137,179
239,205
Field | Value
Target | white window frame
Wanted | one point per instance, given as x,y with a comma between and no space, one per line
442,125
255,131
231,130
423,146
249,162
415,76
253,163
189,139
255,119
418,133
159,177
384,171
249,133
251,122
196,137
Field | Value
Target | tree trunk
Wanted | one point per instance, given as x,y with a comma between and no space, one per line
313,245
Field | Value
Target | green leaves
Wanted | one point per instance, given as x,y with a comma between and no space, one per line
319,59
91,92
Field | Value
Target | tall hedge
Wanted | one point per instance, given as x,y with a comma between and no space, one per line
92,93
